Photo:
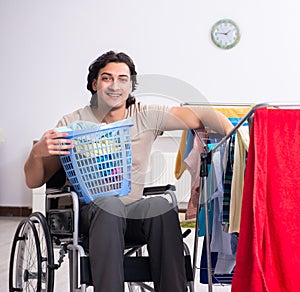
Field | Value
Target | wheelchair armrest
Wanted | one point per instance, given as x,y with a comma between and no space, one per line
59,190
158,190
166,190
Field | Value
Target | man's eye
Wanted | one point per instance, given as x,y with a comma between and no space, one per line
106,78
123,80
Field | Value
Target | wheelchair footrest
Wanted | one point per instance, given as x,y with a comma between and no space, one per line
137,269
85,271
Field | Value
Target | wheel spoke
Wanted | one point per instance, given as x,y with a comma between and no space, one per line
31,256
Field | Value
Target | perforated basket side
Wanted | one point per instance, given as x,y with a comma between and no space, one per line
127,161
100,164
71,174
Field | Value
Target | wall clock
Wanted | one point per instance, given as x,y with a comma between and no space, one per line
225,34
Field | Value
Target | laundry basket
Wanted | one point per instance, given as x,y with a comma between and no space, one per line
100,163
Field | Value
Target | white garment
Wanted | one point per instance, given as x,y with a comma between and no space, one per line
220,240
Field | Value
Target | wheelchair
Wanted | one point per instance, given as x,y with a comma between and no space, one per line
32,266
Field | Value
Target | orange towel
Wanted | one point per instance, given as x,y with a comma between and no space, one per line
180,166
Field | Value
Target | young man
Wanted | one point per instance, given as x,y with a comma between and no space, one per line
111,222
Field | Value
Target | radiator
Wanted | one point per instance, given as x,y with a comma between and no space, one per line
161,172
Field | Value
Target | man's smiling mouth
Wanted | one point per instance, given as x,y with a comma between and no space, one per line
114,95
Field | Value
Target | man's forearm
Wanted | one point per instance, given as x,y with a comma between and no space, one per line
34,171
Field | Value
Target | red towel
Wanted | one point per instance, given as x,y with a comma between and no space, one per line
268,254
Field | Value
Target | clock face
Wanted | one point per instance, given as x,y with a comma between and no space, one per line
225,34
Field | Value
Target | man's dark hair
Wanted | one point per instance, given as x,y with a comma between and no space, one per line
100,63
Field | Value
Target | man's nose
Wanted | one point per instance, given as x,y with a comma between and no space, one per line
115,85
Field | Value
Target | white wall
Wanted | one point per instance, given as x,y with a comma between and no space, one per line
46,47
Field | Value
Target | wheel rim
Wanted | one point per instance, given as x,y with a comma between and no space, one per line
47,257
25,263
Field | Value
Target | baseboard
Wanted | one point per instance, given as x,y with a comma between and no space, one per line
15,211
182,206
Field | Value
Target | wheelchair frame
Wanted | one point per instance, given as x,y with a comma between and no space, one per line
32,266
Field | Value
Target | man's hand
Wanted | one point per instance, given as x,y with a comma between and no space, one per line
52,143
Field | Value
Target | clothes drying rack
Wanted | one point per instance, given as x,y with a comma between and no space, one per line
206,158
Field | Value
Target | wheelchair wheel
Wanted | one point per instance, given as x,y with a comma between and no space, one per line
140,287
25,268
31,261
46,247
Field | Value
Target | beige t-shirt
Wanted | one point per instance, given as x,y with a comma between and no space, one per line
149,122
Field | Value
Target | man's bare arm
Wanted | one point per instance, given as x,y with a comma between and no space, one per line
197,117
43,161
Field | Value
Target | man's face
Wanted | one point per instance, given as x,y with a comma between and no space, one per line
113,85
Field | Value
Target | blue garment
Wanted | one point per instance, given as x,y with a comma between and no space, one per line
189,143
201,219
235,121
77,125
216,278
221,242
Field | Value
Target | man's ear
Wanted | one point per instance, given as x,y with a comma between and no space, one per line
94,84
131,84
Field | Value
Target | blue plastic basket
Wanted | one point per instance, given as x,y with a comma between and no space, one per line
100,163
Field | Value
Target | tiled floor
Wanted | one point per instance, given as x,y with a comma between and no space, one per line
7,229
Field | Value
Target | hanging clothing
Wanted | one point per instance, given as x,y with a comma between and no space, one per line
216,278
193,164
220,240
240,152
227,185
180,166
268,253
234,180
